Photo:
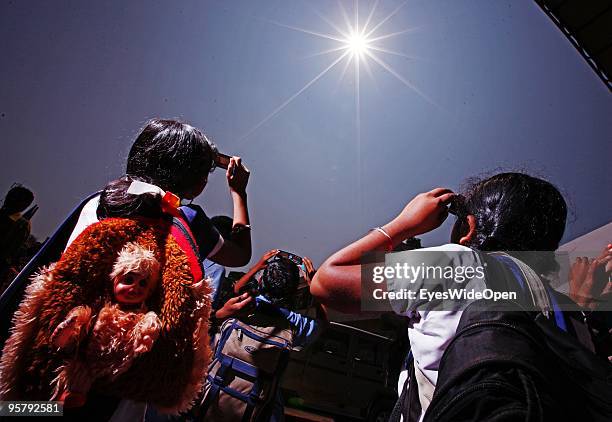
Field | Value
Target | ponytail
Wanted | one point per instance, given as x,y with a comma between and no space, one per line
115,201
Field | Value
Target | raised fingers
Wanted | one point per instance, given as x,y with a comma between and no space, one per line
308,263
446,198
440,191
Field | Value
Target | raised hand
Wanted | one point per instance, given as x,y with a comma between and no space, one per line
237,176
266,256
234,306
590,278
310,269
424,213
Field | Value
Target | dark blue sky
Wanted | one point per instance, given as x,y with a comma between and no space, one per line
506,90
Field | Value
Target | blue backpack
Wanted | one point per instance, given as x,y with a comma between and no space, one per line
245,372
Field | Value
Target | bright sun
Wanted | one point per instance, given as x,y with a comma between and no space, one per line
357,43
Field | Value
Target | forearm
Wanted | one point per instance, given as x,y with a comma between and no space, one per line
242,238
236,250
337,283
241,210
245,278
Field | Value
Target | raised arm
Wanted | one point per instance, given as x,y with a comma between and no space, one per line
337,283
258,266
236,251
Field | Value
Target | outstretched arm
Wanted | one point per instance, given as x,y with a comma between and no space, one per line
258,266
337,283
234,306
238,304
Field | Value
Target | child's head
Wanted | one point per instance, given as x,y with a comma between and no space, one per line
279,282
172,155
135,274
17,199
511,212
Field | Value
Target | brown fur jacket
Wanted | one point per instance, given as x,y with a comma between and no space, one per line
170,375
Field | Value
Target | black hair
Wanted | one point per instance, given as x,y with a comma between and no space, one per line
279,282
17,199
116,202
223,224
167,153
517,212
172,155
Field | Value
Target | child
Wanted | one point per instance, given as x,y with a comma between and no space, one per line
168,161
266,306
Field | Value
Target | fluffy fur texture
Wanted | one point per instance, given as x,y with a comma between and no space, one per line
115,341
12,365
169,376
117,336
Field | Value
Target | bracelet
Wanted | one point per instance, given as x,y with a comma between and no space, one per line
389,240
240,228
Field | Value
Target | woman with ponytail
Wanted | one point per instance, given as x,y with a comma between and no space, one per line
171,156
168,162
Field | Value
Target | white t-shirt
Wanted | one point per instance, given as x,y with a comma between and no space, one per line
430,331
208,239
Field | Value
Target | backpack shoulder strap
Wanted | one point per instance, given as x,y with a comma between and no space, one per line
184,237
230,362
527,279
542,297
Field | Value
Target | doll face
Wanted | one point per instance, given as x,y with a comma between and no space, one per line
133,288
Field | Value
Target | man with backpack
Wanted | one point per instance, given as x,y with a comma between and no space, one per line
257,331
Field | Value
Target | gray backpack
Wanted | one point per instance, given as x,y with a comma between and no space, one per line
245,373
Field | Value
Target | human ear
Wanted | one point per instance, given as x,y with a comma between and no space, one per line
468,230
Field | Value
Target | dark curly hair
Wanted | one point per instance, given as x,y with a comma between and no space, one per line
116,202
279,282
517,212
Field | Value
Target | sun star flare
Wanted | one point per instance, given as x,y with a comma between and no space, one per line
356,44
